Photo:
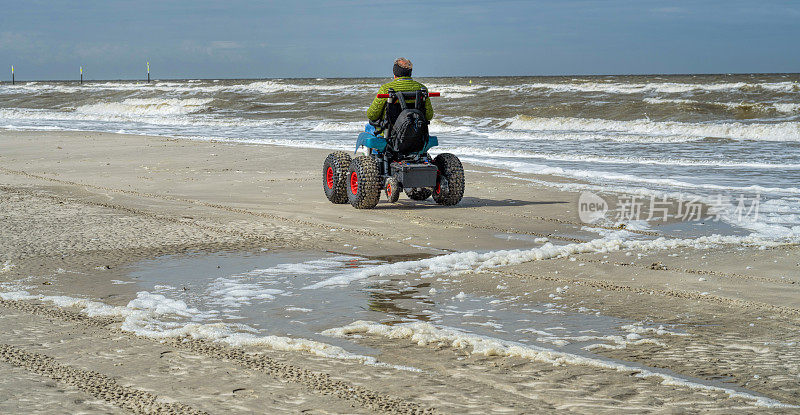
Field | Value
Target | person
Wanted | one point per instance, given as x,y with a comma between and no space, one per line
402,83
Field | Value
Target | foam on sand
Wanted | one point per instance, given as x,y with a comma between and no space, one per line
425,334
466,261
158,317
233,293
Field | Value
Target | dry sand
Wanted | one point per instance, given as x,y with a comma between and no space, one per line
76,207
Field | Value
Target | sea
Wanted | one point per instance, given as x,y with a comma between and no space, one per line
732,140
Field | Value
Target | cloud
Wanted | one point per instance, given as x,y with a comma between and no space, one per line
17,41
101,50
224,44
227,49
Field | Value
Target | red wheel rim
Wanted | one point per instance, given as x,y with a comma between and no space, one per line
389,188
354,183
329,177
438,188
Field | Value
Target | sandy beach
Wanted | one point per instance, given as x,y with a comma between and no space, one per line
709,325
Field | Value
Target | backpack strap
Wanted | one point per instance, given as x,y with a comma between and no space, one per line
400,99
419,100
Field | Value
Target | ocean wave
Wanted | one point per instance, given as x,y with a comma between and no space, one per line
131,118
607,176
465,90
780,131
268,87
461,89
149,106
782,107
581,158
436,126
260,86
661,87
354,126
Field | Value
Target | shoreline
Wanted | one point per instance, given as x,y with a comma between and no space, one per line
422,77
76,201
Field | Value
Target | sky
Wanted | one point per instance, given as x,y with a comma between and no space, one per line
352,38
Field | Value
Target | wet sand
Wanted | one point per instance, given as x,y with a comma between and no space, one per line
78,208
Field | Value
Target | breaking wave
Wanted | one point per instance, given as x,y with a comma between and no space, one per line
151,106
779,131
662,87
764,107
527,154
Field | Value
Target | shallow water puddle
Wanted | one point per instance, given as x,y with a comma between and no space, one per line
267,293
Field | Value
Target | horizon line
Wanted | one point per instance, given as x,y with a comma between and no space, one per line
144,79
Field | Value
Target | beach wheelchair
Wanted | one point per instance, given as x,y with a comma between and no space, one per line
396,160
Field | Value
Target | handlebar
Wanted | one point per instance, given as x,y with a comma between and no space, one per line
430,94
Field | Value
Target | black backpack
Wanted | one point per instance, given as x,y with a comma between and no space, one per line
410,129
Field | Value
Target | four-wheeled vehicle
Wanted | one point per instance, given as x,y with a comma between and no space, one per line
396,160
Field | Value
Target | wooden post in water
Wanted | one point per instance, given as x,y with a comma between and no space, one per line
81,75
148,72
12,74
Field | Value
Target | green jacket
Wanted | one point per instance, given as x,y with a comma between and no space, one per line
404,84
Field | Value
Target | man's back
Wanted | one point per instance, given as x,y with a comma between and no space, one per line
400,84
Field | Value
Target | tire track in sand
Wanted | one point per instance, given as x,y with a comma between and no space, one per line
318,382
681,294
93,383
218,206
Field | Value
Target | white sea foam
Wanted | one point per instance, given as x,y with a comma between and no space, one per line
132,118
436,126
595,175
639,328
424,334
660,87
159,317
512,153
782,107
465,89
264,87
609,341
778,226
466,261
150,106
13,127
234,293
779,131
339,126
267,87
